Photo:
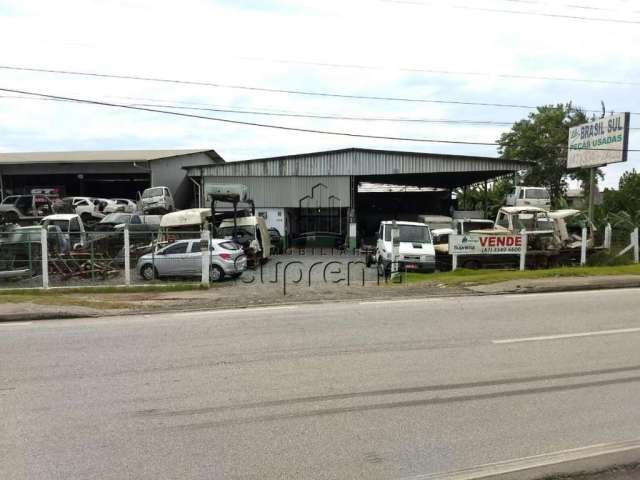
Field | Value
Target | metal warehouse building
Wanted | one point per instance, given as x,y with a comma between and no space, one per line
319,191
106,173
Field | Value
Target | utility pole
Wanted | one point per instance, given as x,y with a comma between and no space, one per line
592,177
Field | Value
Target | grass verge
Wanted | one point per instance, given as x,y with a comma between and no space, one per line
481,277
180,287
62,301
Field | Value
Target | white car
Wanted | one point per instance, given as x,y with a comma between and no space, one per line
86,207
416,251
184,259
121,205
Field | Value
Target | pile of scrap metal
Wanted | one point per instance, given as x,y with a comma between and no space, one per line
21,250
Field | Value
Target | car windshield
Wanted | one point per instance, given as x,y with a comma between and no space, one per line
116,218
63,224
9,201
152,192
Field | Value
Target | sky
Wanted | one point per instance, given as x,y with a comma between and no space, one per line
374,48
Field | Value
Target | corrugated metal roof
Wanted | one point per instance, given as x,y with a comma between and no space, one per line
358,162
92,156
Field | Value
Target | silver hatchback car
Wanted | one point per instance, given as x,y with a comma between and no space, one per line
184,259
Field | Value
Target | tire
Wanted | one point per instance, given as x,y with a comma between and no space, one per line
369,260
216,274
148,272
472,265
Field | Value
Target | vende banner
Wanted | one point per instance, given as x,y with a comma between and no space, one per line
475,244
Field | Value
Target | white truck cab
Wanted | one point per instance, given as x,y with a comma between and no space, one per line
522,196
416,247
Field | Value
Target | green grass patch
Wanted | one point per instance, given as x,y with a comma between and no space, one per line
480,277
61,301
154,288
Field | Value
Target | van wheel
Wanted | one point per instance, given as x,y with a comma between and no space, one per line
216,274
383,271
148,272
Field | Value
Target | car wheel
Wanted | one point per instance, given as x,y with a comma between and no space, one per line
148,272
216,274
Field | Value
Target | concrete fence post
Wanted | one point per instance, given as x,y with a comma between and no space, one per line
45,257
454,262
204,249
636,247
127,256
523,252
607,237
583,247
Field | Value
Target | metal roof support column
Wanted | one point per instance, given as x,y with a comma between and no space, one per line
486,200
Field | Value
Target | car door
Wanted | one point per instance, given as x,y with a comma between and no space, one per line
194,260
171,260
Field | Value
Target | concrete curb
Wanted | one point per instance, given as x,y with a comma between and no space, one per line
594,458
22,317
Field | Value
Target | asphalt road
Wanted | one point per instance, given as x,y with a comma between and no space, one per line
392,389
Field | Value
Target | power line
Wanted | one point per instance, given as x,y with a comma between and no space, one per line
274,90
289,114
519,12
253,124
284,113
572,6
511,76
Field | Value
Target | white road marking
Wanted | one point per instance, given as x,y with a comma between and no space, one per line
566,335
538,466
13,324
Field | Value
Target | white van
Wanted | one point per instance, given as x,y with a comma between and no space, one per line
528,197
157,200
416,248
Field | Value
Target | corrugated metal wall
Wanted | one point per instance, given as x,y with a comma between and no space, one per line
359,163
285,192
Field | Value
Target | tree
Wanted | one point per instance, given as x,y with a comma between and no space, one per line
543,138
622,207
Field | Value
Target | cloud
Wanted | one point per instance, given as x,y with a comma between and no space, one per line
233,42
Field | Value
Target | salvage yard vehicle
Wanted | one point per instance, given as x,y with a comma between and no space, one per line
183,224
157,200
86,207
21,250
522,196
25,209
184,259
416,248
71,226
553,238
251,233
436,221
120,205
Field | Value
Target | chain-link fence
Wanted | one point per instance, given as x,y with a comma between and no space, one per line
50,257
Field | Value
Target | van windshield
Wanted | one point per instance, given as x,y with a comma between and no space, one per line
152,192
414,233
410,233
